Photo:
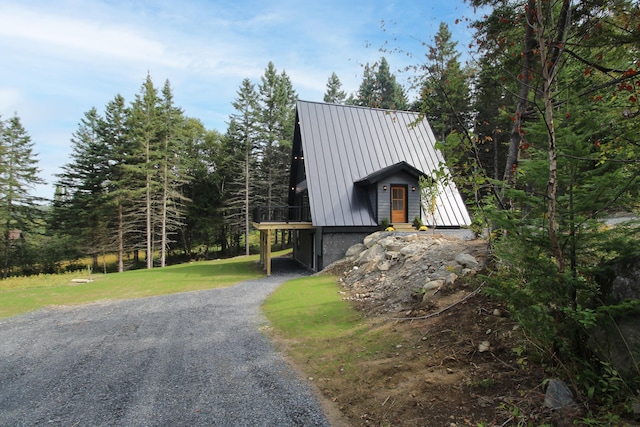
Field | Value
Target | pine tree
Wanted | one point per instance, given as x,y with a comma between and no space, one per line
144,128
571,148
18,174
445,95
172,169
84,181
379,89
114,133
206,169
241,142
334,94
277,111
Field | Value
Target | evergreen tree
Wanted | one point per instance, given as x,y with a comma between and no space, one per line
144,125
114,133
172,169
445,94
334,93
571,149
204,222
241,142
379,89
18,175
277,111
82,213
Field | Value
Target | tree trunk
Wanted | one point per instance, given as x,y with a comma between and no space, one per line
246,200
525,77
163,226
120,238
149,249
549,57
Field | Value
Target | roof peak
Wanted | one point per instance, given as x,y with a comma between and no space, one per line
358,106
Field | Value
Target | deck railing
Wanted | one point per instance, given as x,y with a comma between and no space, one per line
281,214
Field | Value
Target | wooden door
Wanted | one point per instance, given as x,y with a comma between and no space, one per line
398,204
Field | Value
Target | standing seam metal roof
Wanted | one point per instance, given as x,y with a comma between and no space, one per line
343,144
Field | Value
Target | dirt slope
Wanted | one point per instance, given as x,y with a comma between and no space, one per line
460,361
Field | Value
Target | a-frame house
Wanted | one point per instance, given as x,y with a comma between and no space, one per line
353,168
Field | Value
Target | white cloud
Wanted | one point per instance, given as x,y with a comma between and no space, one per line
80,38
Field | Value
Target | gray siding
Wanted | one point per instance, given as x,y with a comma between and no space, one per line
384,197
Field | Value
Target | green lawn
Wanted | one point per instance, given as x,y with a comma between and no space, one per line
321,331
22,294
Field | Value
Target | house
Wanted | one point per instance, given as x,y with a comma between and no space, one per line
352,168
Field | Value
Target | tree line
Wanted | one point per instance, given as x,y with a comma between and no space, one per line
144,179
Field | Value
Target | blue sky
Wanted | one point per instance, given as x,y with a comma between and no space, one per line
60,58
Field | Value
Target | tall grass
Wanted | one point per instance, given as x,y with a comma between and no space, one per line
22,294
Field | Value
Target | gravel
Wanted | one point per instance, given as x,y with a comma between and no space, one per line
190,359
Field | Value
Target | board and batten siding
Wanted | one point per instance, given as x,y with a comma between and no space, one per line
384,197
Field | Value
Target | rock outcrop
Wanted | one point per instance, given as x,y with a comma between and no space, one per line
393,271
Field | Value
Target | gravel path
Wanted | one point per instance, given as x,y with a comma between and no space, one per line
190,359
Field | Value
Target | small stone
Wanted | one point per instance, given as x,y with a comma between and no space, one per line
488,332
558,395
497,312
451,279
399,346
384,265
484,346
449,371
433,284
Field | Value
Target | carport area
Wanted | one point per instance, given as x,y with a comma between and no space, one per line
267,229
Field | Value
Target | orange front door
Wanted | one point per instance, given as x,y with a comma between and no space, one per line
398,204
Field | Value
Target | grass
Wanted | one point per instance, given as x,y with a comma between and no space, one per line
321,331
22,294
310,307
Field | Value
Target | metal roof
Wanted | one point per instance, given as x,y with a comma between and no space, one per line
343,144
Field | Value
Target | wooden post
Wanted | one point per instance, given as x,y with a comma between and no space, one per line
268,260
262,248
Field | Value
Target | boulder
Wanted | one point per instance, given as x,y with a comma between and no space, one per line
390,243
371,239
355,250
374,254
412,249
466,260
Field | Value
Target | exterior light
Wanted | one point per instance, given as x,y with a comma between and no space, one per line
384,188
413,188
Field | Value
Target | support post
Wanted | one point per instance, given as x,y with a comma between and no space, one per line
268,260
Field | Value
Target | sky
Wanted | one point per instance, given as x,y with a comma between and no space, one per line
58,59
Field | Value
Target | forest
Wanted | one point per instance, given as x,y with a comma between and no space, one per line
539,129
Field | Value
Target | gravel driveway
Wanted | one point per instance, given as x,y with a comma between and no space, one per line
190,359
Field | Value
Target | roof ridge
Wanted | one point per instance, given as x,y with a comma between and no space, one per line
414,113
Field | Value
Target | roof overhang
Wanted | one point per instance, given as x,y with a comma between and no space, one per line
388,171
